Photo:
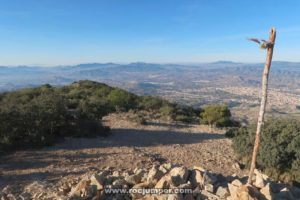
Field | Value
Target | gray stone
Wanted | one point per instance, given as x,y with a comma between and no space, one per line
222,192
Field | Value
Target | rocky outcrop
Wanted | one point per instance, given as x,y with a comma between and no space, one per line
160,182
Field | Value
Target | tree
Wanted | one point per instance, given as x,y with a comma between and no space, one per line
216,115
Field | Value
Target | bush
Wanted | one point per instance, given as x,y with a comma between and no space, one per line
122,100
279,152
151,103
37,117
216,115
139,119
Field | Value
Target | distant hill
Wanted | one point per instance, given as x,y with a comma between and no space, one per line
193,84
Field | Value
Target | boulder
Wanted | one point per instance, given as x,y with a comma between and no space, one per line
245,192
232,190
236,182
98,180
259,181
179,175
165,182
196,177
140,186
187,185
154,174
80,188
119,183
165,168
209,188
133,179
201,169
222,192
209,178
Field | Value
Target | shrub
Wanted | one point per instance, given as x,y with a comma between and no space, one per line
279,152
151,103
139,119
37,117
216,115
122,100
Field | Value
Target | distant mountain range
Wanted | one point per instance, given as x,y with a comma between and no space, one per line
236,84
283,74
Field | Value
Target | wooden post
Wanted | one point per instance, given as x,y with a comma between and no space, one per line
263,101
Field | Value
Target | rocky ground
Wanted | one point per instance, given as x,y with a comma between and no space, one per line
159,182
55,172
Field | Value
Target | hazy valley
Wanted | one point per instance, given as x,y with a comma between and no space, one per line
236,84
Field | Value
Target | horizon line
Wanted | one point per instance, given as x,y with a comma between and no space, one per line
134,62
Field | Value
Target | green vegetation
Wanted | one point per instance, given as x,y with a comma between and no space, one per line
217,115
279,153
37,117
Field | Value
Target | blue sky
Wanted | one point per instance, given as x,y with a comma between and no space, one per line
60,32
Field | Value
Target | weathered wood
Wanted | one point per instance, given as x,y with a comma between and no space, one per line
263,102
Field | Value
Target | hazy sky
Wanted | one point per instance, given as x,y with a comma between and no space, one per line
53,32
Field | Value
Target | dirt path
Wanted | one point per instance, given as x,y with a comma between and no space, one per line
129,146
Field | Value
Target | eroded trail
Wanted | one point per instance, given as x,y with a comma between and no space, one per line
129,146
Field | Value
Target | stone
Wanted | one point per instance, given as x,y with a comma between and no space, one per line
201,169
209,188
97,180
154,174
175,197
236,182
222,192
236,166
119,183
165,182
245,192
133,179
209,178
165,168
187,185
11,197
140,186
116,173
257,172
79,188
266,192
188,197
196,178
208,195
259,181
179,175
25,196
100,195
104,173
169,197
232,190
